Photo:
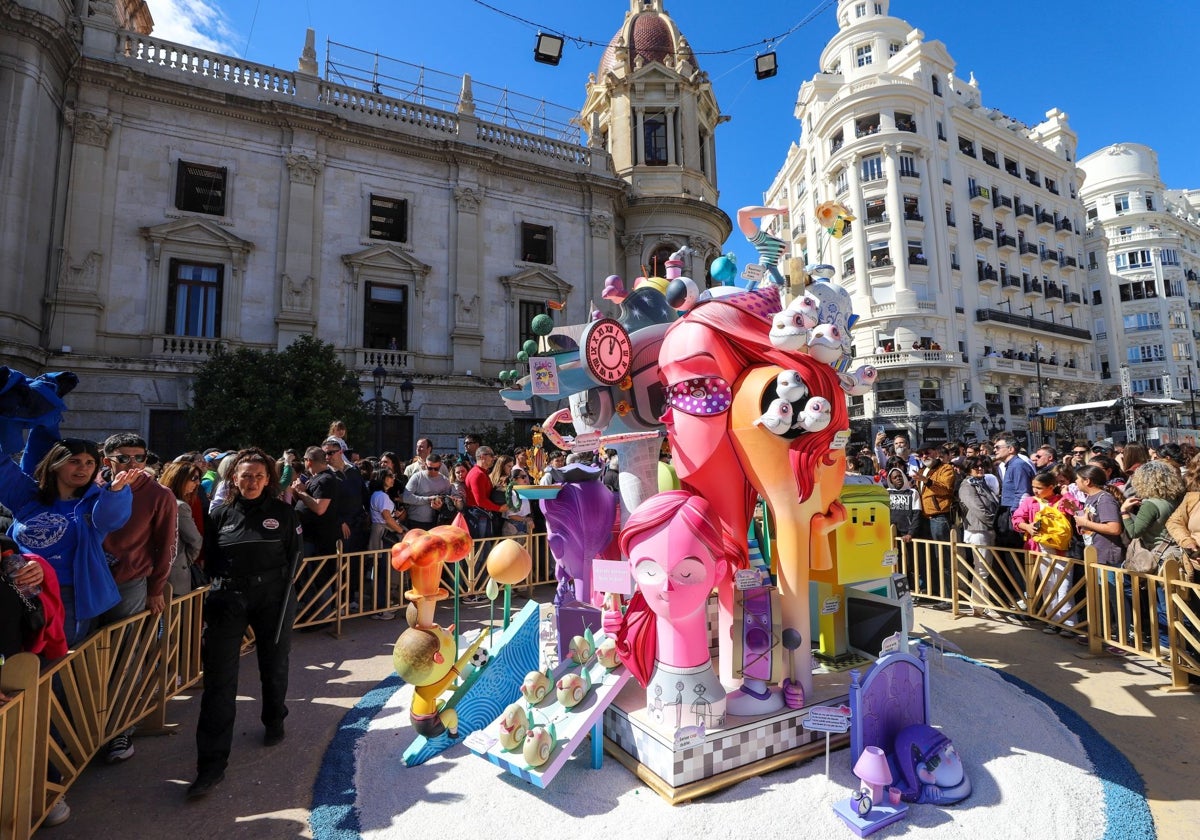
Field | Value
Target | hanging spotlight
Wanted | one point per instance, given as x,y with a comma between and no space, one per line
548,49
765,66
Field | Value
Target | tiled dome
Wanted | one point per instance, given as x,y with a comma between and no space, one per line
648,34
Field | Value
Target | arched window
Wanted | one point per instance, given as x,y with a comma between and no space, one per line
657,265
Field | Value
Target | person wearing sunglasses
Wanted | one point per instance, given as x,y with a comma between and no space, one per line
1079,454
141,550
425,493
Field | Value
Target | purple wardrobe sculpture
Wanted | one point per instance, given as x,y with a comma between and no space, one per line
579,523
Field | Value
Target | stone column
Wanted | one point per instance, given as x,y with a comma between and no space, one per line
639,149
858,233
598,256
466,336
633,244
897,244
670,112
80,301
298,300
936,243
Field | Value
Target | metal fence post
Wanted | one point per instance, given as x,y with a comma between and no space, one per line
1095,609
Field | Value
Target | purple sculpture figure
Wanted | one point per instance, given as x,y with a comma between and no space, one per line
930,768
579,524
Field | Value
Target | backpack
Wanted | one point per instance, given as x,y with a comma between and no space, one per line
987,498
1054,528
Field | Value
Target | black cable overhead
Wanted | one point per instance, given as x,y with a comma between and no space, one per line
581,42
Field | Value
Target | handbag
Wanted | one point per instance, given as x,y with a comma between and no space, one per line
1147,561
498,496
1053,528
479,522
199,576
33,614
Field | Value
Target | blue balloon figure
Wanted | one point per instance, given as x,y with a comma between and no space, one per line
724,269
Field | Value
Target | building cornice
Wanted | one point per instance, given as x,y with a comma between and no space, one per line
440,147
59,41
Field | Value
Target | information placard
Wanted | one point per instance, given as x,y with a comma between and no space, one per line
612,576
828,719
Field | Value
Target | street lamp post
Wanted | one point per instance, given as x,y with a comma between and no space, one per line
1037,367
994,425
406,393
380,377
1192,397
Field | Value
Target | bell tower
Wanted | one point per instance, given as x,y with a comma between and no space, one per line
652,108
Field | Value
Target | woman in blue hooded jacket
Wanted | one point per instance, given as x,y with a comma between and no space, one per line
61,514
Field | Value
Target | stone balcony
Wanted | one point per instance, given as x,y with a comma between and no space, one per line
999,364
911,358
228,75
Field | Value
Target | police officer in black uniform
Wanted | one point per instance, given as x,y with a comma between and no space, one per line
253,545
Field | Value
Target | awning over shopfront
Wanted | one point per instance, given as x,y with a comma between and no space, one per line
1103,405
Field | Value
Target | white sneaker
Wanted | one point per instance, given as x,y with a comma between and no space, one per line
59,814
120,748
386,615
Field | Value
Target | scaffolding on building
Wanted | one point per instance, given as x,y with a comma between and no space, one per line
420,85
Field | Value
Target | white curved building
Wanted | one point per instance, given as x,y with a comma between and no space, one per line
1143,269
964,261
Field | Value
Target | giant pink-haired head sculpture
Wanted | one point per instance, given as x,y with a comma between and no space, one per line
677,556
720,371
710,348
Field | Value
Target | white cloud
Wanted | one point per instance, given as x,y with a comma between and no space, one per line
197,23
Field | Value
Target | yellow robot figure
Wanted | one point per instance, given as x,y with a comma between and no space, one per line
858,547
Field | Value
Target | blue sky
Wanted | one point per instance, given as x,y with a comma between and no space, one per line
1118,74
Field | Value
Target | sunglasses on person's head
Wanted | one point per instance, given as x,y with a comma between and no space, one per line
125,459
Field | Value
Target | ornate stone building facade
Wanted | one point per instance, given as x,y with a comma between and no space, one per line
652,108
965,259
1143,266
158,200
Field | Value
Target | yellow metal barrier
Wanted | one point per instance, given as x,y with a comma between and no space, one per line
1183,623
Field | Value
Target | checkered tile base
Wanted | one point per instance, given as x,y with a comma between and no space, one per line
724,749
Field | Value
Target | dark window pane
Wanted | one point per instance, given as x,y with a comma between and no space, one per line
200,189
385,319
389,219
537,244
527,310
655,137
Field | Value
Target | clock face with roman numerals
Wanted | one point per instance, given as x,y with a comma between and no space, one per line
607,351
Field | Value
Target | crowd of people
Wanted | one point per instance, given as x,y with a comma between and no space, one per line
1136,505
97,532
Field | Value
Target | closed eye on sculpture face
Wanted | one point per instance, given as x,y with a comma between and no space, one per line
688,571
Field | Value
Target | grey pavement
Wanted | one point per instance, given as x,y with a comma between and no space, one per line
267,791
